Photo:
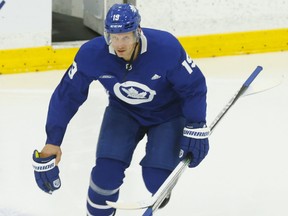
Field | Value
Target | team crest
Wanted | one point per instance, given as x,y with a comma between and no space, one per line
133,92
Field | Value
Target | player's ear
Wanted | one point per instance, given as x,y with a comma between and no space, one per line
138,33
139,29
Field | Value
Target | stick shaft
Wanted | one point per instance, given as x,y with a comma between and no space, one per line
171,181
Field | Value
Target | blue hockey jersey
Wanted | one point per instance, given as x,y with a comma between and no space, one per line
163,83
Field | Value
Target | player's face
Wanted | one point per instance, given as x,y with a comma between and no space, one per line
123,44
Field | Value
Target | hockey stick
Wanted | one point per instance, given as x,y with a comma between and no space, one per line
238,94
155,201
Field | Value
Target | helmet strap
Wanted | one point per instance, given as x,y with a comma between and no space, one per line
129,64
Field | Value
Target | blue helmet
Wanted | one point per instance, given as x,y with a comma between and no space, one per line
122,18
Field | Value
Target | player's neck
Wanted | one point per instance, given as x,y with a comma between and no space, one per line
133,56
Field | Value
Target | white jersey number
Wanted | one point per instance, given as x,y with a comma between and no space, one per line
188,64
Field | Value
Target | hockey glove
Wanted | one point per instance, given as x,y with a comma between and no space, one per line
46,172
195,143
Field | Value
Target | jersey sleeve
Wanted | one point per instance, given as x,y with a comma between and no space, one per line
68,96
189,82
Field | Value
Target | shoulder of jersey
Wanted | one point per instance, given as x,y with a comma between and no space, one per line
160,38
164,44
96,46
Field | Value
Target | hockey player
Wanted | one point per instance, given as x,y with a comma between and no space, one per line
155,89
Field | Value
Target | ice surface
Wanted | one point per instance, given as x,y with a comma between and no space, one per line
245,172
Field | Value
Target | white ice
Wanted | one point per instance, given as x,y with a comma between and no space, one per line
245,172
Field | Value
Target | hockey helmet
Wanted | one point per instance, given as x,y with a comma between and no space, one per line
122,18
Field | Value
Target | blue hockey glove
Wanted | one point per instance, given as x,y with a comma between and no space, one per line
195,142
46,172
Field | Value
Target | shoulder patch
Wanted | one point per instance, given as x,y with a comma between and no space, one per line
72,70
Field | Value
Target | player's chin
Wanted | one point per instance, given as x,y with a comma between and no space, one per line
121,54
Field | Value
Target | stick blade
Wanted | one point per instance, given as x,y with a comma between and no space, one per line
131,205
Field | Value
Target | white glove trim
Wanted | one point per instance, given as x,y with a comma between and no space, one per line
43,167
196,133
